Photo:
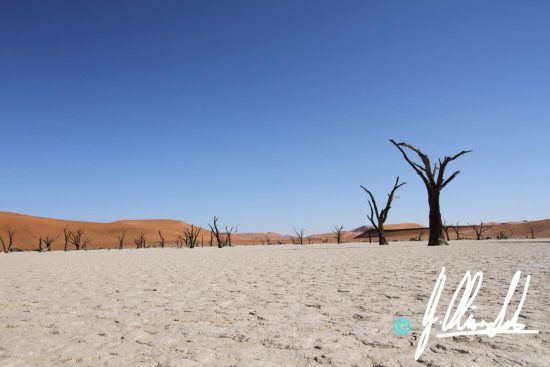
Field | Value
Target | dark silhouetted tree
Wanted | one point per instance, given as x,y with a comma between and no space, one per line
435,181
190,236
378,217
479,230
140,240
299,236
48,241
338,232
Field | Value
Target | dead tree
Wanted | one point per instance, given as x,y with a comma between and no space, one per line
7,247
180,241
479,230
434,181
503,235
48,241
267,240
211,239
140,240
456,230
338,232
121,238
190,236
228,233
299,236
381,216
446,229
39,249
77,239
67,234
85,243
216,233
162,242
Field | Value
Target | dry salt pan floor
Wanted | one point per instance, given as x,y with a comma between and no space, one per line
262,306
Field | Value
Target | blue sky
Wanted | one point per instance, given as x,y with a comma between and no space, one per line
271,114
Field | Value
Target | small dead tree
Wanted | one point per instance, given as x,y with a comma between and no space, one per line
190,236
456,230
228,233
162,241
299,236
433,178
121,237
48,241
214,231
67,234
338,232
267,240
140,240
77,239
446,229
382,215
7,247
180,241
479,230
85,243
503,235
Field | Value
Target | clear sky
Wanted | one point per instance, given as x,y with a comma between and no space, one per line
271,114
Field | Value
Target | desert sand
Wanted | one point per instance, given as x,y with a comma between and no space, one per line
262,305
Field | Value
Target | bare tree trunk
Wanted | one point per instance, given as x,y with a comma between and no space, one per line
437,236
381,235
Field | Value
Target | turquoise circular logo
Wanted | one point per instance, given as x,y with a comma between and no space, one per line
402,326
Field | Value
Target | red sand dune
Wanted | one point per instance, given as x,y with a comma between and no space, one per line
28,229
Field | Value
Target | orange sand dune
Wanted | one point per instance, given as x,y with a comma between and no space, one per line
28,229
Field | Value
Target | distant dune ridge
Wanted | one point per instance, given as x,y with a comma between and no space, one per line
28,229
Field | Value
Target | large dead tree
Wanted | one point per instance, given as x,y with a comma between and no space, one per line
48,241
7,247
299,236
190,236
121,238
378,217
338,232
435,181
267,240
